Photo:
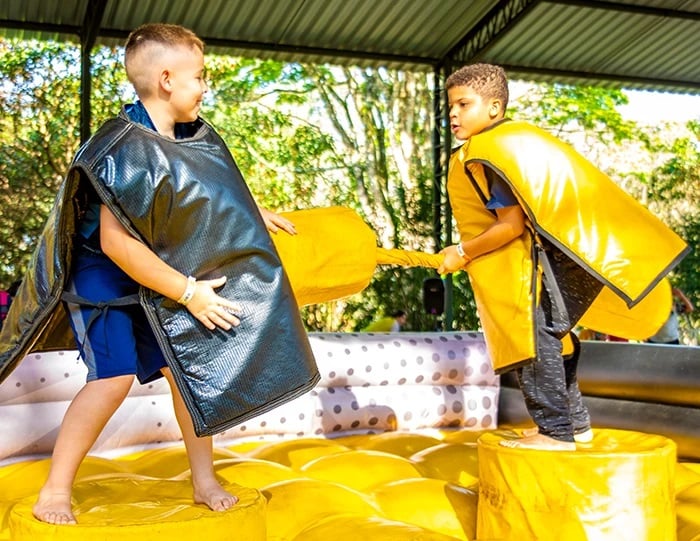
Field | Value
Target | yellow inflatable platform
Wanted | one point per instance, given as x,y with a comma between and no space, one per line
391,486
398,441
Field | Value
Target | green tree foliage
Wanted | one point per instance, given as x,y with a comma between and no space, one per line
570,112
380,122
672,190
309,135
259,107
37,138
39,129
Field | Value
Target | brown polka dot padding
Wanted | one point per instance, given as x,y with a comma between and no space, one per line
370,383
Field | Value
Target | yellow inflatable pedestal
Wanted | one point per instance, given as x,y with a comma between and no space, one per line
123,509
618,487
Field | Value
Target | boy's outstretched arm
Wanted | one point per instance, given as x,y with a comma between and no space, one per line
509,226
146,268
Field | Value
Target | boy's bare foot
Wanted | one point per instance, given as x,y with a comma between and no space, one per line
54,508
582,437
215,497
538,441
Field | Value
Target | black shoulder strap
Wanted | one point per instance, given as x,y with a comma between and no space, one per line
477,188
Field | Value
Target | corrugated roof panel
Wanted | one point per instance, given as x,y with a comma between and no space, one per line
439,31
37,12
555,40
64,12
594,41
341,18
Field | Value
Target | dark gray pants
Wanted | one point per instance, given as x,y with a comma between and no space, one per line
550,389
549,384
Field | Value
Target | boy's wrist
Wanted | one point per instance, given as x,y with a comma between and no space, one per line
189,291
462,253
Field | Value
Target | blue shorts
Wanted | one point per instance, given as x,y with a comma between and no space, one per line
119,340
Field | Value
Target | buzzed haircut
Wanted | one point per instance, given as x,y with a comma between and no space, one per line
155,34
487,80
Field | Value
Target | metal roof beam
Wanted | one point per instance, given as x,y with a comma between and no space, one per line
609,77
483,34
630,8
296,49
316,51
49,28
228,43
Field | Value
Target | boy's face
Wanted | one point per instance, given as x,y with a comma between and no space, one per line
185,82
470,113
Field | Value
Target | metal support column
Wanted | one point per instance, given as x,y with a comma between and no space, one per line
88,34
442,213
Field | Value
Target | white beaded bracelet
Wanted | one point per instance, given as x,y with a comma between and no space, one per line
189,291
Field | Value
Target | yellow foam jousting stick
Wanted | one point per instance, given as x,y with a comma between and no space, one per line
334,254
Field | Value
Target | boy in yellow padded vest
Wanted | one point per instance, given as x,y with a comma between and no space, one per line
541,243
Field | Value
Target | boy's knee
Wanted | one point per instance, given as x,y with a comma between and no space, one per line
114,388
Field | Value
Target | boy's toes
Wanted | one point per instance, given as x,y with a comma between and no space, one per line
216,498
55,517
54,508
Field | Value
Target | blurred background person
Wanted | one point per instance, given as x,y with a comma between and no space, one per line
391,323
669,332
6,297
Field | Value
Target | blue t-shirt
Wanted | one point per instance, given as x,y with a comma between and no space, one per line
501,193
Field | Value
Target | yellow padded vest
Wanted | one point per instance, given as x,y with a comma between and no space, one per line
568,201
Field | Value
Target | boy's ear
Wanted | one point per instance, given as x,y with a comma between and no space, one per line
164,80
495,108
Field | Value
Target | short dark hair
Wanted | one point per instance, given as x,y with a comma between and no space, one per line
488,80
398,313
169,35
